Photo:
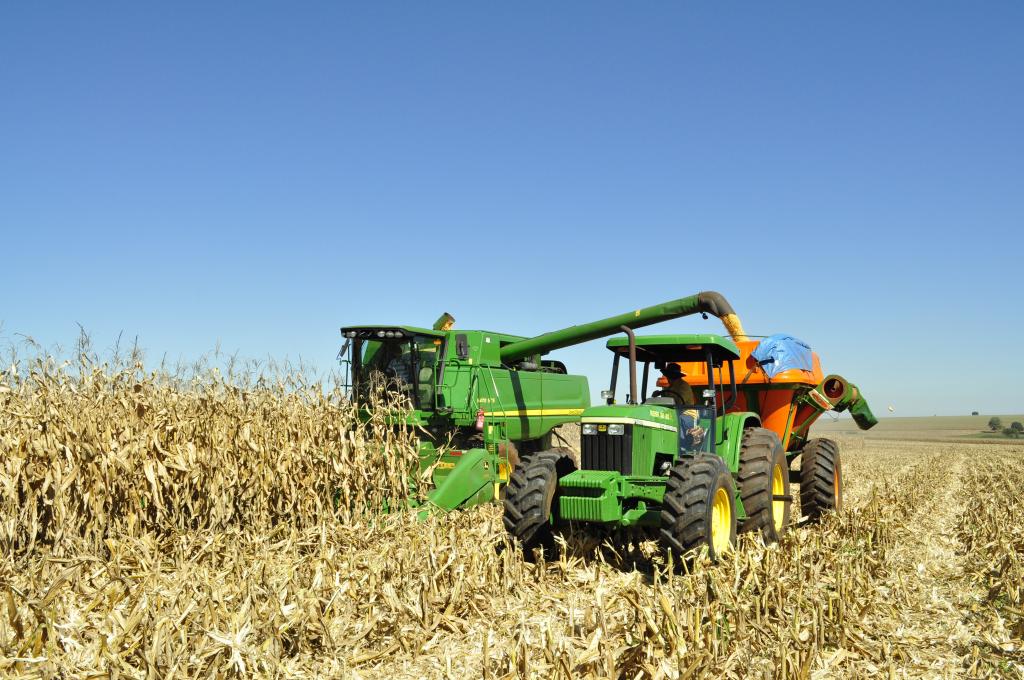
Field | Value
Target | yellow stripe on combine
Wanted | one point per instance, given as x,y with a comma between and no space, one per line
536,412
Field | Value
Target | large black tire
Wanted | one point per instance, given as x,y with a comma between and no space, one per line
531,501
699,492
764,475
821,478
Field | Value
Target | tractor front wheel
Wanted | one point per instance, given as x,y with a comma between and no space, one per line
699,508
764,484
531,497
821,478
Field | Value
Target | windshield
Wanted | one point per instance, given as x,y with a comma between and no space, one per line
401,365
695,434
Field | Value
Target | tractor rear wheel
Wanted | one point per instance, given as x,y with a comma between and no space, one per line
699,508
531,501
821,478
764,484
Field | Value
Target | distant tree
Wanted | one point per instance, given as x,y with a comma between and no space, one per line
1017,427
995,423
1010,432
974,413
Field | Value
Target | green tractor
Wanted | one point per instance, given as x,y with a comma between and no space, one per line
695,473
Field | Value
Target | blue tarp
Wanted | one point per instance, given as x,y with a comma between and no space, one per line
781,352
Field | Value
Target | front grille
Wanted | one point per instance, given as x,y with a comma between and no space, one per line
603,451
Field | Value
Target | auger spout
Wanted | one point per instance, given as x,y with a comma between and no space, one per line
858,408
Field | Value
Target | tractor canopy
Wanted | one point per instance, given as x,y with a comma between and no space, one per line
676,348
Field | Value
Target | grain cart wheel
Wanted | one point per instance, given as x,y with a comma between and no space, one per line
764,483
699,508
821,478
531,501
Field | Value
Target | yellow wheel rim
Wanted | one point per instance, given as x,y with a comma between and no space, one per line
778,507
721,522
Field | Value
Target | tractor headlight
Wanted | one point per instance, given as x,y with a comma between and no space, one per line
616,428
589,428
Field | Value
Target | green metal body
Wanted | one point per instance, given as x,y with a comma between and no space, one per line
482,400
474,413
622,479
625,500
599,329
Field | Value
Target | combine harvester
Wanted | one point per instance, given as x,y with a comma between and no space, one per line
697,473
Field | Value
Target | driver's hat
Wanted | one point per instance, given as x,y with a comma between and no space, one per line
672,371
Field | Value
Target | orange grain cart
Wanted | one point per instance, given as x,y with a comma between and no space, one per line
787,403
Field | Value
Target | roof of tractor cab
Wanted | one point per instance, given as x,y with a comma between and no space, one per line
676,348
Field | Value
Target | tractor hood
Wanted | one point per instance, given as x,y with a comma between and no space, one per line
658,417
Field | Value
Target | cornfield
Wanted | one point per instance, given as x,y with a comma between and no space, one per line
155,526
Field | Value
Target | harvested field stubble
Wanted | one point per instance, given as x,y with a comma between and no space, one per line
155,529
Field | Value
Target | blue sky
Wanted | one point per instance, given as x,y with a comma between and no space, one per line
258,175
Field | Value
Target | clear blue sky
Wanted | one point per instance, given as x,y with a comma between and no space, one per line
260,174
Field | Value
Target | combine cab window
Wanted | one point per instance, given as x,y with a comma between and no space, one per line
428,352
405,365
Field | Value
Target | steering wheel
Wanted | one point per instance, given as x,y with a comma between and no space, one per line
666,393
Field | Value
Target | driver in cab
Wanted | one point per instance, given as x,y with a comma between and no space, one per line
681,391
677,388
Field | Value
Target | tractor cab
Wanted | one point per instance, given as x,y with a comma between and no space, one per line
697,418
